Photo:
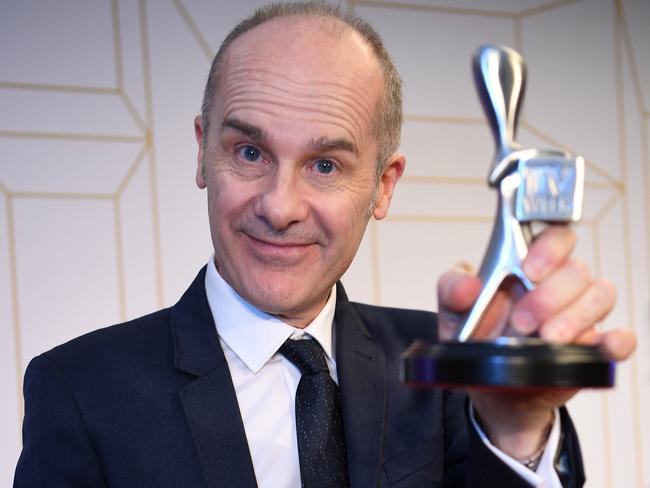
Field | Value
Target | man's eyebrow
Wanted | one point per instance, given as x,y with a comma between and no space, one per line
323,144
252,131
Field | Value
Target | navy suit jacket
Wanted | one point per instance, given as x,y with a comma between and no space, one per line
150,403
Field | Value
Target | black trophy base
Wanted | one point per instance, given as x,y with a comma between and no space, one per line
507,363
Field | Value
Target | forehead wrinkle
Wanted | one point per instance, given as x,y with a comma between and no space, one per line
267,110
246,74
262,73
352,113
327,109
348,105
254,105
241,76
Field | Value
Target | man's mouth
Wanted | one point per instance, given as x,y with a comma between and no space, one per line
284,250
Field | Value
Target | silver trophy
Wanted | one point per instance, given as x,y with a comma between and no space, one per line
533,185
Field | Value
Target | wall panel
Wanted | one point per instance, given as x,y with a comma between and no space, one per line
101,220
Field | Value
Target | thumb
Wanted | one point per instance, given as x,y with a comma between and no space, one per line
457,291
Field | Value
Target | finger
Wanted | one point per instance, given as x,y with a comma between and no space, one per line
583,313
555,293
550,249
589,337
494,321
619,343
457,290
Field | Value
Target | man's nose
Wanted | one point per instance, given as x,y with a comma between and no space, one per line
281,201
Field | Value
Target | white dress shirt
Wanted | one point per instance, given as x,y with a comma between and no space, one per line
266,383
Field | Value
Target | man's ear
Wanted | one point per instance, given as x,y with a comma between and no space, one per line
200,171
393,172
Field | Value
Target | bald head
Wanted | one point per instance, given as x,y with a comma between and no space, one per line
310,20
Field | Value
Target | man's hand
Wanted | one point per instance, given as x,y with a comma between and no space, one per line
565,307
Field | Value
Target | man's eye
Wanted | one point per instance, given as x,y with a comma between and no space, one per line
324,166
250,153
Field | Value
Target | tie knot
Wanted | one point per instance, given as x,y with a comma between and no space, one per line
306,355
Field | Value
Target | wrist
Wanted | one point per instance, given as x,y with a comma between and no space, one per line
522,437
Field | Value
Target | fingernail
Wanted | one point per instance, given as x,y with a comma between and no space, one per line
465,267
523,321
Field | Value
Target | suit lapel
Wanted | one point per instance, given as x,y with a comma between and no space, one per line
360,366
209,402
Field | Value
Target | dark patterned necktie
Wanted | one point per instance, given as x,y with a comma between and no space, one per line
319,423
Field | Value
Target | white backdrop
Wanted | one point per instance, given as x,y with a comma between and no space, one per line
100,219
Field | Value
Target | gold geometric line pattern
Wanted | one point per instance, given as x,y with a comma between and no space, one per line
81,195
137,118
627,245
97,90
452,180
435,119
131,171
194,29
374,238
444,119
472,181
70,136
117,45
588,222
475,120
433,8
119,68
153,187
15,306
546,7
56,88
470,219
606,427
601,185
629,51
61,195
454,219
135,115
607,206
418,7
119,259
632,323
592,166
94,90
645,158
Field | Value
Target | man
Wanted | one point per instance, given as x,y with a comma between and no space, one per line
297,144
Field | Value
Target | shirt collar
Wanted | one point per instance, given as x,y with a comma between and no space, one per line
253,335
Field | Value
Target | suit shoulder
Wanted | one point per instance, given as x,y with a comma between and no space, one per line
398,323
418,317
116,343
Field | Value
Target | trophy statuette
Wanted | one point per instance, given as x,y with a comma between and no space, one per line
533,185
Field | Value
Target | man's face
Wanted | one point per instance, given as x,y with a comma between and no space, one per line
290,163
